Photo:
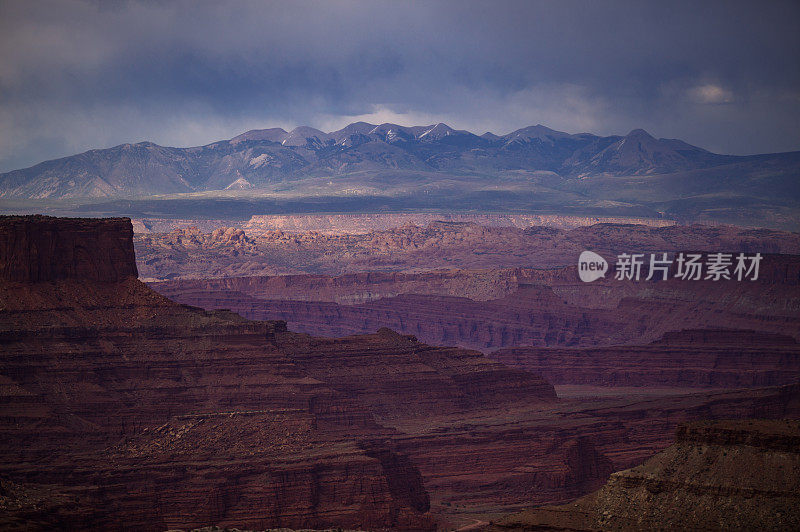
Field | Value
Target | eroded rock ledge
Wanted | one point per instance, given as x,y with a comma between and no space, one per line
719,475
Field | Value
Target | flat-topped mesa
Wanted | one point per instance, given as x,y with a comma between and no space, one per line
43,248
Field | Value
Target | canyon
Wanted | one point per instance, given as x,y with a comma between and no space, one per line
489,309
123,408
324,267
622,354
529,316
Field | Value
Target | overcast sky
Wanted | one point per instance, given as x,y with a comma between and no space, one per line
76,75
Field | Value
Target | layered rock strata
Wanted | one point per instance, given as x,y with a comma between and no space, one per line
398,377
496,461
338,224
507,308
122,409
703,358
725,475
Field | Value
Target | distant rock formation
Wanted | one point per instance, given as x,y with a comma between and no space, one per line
344,244
493,309
355,224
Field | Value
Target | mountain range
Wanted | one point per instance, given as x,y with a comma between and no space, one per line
262,157
531,169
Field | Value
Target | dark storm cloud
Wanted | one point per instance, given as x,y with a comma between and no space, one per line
75,75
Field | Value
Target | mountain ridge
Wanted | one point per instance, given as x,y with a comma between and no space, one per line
264,157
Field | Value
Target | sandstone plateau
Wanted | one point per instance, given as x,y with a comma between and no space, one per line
48,249
339,224
354,224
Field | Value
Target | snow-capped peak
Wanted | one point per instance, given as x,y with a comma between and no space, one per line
437,131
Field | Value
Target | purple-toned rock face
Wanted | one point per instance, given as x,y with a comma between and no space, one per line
42,248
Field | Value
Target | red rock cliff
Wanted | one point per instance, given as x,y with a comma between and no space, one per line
43,248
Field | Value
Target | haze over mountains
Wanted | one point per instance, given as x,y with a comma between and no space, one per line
533,169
